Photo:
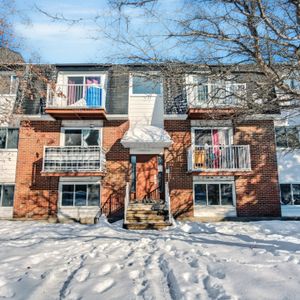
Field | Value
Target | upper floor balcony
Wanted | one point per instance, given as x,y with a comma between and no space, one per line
76,101
209,158
68,160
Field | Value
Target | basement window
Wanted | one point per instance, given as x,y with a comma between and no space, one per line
7,195
9,138
80,195
214,194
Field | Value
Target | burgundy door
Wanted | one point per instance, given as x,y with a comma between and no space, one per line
147,185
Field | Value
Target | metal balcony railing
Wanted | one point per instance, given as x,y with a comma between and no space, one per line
74,96
219,158
74,159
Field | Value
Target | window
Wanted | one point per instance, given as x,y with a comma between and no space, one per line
82,137
80,195
9,138
218,92
287,137
85,87
7,195
8,84
213,194
212,136
145,85
290,194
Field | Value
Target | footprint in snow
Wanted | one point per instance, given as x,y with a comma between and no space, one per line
105,269
82,275
216,271
104,285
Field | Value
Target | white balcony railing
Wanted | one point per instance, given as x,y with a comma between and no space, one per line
217,95
74,96
74,159
219,158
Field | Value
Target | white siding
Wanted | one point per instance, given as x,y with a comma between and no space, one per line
8,163
146,110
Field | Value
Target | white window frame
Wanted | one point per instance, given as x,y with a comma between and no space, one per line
62,79
230,129
131,75
63,129
226,84
10,149
292,194
220,198
2,193
79,183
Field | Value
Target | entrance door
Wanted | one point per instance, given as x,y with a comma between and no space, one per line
147,180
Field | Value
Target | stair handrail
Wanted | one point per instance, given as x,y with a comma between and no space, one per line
126,203
167,200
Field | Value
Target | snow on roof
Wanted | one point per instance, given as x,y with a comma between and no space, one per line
146,135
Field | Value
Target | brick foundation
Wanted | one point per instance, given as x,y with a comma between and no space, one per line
35,196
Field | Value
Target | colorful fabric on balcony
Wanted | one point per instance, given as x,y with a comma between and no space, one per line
94,96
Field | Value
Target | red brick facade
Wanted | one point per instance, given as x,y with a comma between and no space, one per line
257,192
180,181
117,166
35,195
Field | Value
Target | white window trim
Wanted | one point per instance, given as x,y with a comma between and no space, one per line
193,129
193,89
79,183
63,129
292,194
1,196
131,75
219,183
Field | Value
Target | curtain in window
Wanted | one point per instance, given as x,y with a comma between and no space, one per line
93,92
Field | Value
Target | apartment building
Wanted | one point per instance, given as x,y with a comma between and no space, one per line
132,142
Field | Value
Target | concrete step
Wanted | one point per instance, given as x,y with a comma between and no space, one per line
145,218
145,226
147,212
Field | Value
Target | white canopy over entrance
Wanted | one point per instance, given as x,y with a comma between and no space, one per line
146,137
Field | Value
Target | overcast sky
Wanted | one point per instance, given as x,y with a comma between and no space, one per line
57,42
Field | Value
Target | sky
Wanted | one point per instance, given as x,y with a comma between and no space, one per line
57,42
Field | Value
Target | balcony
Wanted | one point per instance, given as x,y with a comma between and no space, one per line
72,160
219,158
76,101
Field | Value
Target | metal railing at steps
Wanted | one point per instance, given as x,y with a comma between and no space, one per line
167,201
126,202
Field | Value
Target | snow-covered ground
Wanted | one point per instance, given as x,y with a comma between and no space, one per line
258,260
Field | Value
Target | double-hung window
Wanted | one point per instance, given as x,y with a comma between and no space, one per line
287,137
146,85
207,194
7,195
80,195
9,138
